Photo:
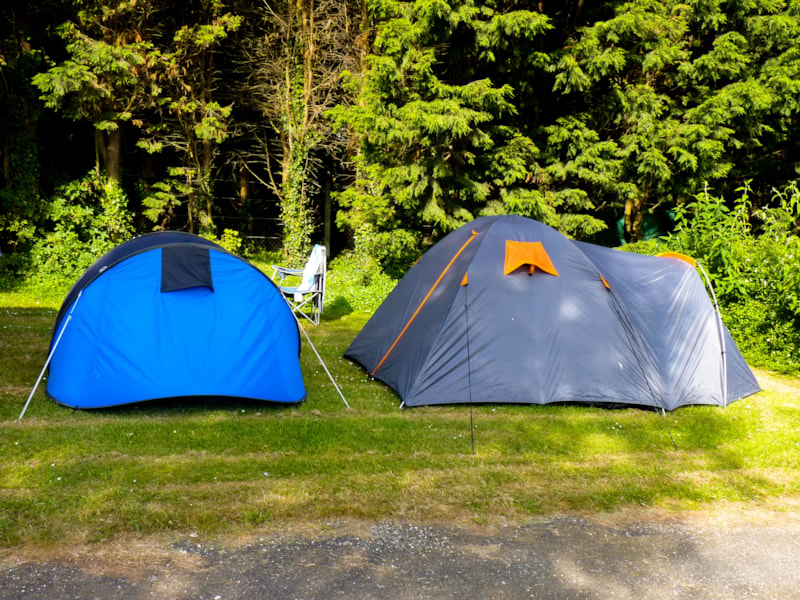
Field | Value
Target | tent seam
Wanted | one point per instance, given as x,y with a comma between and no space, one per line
424,301
420,372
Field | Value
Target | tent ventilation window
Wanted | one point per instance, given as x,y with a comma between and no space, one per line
184,267
527,254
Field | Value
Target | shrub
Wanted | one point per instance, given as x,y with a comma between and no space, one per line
231,241
13,268
763,335
355,283
84,219
648,247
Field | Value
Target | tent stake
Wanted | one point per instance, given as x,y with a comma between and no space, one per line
320,360
49,357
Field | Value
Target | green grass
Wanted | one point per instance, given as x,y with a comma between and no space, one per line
211,467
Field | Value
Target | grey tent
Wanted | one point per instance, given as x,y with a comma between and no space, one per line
506,309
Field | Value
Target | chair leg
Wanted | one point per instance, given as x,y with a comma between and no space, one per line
310,308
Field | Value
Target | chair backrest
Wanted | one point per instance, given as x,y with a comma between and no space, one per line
315,266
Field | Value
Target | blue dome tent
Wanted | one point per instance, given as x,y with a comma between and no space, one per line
170,315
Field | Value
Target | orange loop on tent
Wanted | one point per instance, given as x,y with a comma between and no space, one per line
425,299
679,256
519,254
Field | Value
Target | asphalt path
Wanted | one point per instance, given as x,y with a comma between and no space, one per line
750,554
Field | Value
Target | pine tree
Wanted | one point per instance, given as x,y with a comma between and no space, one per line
435,117
104,80
667,95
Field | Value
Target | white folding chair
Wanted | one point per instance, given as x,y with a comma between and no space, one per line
308,297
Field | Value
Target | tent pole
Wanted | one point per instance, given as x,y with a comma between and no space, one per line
49,357
469,374
669,431
724,383
320,360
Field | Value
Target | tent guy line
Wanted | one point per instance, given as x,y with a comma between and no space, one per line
324,366
49,357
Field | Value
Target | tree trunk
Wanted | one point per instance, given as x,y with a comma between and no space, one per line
328,216
108,153
114,155
634,216
244,185
7,165
99,151
208,161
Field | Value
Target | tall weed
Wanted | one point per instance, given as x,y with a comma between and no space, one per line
753,259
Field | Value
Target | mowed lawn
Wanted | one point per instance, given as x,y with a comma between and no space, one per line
213,467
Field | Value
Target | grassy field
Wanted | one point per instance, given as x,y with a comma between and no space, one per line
76,476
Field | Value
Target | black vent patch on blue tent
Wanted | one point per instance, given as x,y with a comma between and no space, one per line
184,267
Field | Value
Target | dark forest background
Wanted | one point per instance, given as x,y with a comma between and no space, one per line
379,125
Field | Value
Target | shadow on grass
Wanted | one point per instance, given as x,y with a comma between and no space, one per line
337,309
191,406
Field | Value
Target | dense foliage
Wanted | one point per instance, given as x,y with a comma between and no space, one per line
380,125
668,95
84,219
437,126
217,115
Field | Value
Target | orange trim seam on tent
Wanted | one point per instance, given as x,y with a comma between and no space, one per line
424,300
679,256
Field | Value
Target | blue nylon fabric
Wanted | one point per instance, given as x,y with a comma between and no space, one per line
128,342
123,251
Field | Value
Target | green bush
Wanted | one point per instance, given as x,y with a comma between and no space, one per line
231,241
766,338
13,268
355,283
648,247
84,219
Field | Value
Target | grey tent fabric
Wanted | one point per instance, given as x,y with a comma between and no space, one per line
582,323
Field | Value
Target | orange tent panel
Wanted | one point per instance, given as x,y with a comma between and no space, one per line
519,254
